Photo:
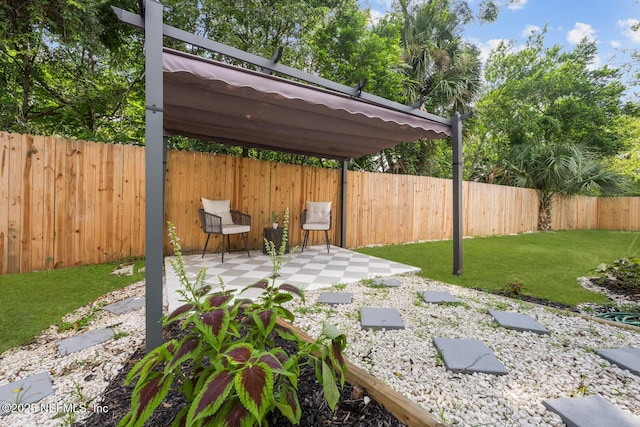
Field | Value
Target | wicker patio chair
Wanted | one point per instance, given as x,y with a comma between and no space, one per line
316,217
217,218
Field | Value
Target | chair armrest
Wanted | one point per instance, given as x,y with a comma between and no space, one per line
240,218
209,222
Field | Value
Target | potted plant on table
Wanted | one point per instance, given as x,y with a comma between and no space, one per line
274,220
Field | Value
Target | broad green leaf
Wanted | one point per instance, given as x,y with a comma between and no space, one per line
218,299
148,394
260,284
288,404
179,313
265,321
329,387
239,353
185,349
254,385
211,397
271,360
214,325
292,289
150,361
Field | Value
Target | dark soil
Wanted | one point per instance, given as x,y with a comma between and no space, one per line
350,411
629,292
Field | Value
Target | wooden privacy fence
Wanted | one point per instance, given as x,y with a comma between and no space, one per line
66,202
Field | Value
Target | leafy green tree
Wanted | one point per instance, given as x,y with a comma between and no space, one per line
560,168
63,72
627,161
441,71
545,94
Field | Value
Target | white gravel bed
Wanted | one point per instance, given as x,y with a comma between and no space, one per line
562,364
80,378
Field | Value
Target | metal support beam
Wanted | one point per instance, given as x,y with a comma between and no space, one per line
263,63
343,216
154,174
274,59
456,136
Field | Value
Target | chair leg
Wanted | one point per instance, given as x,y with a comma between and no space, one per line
326,237
304,241
229,243
244,239
223,248
205,244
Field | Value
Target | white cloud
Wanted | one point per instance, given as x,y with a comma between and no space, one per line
516,4
626,25
579,32
615,44
530,29
487,47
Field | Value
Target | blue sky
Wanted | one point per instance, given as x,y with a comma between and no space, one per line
608,22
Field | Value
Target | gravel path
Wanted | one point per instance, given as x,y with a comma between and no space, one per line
562,364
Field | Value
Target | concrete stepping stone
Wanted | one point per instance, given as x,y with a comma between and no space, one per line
126,270
590,411
518,322
380,318
125,306
626,358
334,298
82,341
466,355
388,282
25,391
438,297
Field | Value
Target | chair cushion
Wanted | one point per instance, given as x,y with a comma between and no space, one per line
315,226
235,229
319,213
219,207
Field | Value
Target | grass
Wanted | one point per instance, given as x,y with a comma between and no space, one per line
31,302
547,264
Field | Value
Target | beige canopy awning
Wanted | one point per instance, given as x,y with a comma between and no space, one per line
212,101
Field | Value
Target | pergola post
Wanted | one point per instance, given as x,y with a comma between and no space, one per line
343,216
456,136
154,173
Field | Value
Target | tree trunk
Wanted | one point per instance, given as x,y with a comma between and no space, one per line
544,214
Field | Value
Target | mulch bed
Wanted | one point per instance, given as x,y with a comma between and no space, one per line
354,407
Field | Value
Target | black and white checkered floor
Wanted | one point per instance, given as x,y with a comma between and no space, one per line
312,269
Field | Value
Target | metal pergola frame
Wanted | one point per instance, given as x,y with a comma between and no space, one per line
151,21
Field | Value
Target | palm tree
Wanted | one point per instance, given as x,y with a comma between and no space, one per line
443,70
558,169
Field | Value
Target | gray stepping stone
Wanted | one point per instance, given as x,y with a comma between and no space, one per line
518,322
25,391
82,341
438,297
335,298
626,358
380,318
389,282
465,355
590,411
126,270
125,306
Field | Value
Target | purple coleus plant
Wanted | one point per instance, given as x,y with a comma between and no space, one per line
238,374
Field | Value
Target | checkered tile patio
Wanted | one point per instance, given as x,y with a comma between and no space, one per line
312,269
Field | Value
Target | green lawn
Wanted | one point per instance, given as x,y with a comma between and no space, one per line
31,302
547,264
